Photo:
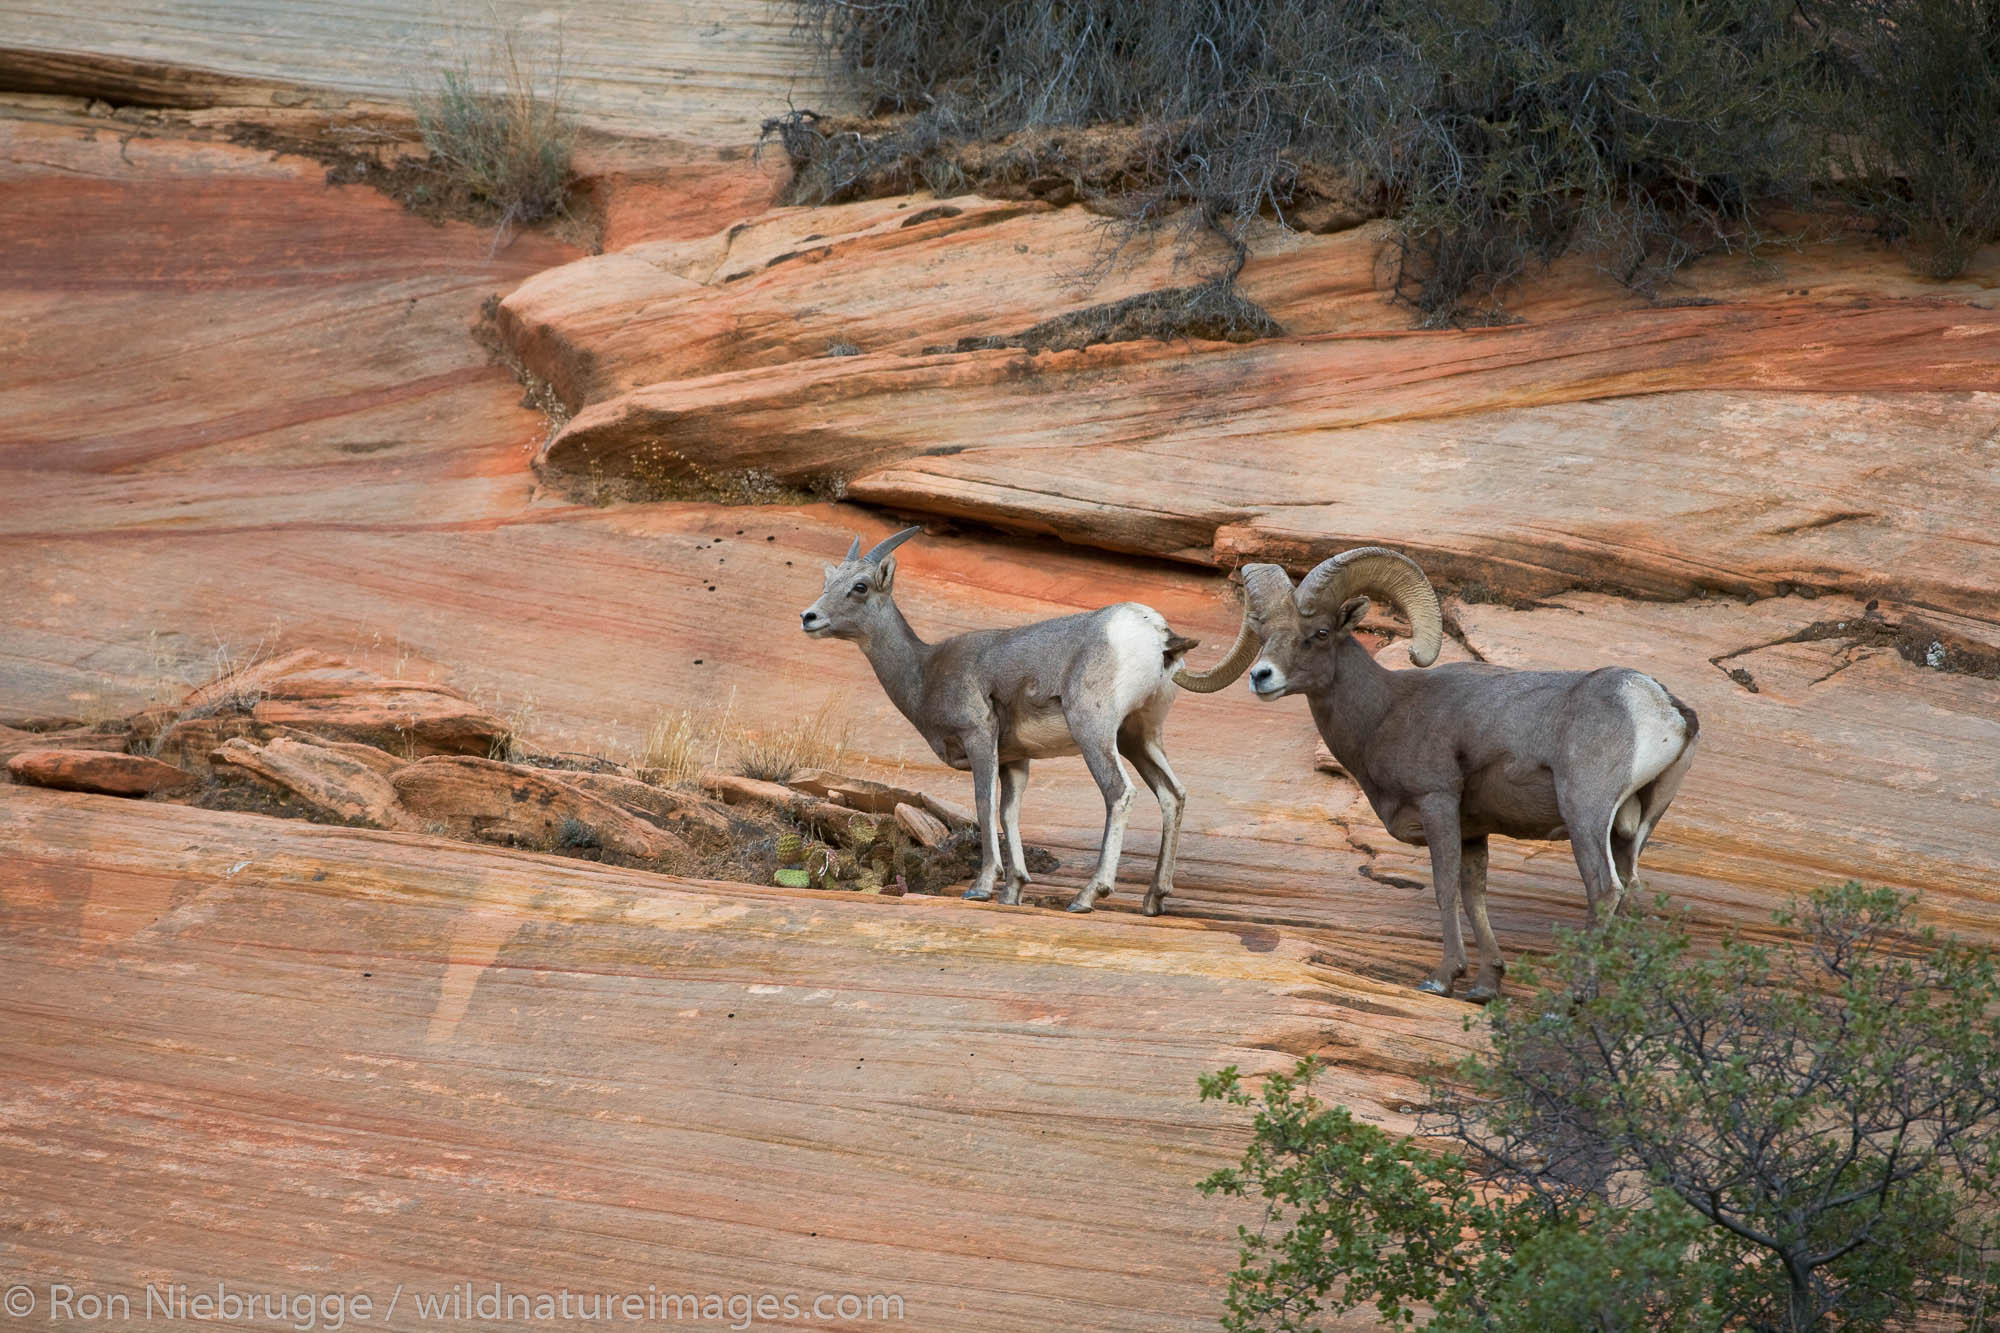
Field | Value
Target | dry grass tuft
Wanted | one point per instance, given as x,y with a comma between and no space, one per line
815,740
676,748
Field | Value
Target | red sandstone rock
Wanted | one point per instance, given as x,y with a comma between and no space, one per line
529,807
97,771
416,718
16,741
662,805
323,778
879,798
886,275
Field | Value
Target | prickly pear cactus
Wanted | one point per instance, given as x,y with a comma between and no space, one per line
791,849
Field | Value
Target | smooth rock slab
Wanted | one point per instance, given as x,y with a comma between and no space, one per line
425,1063
98,771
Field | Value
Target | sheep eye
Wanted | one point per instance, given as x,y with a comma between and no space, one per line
860,589
1320,633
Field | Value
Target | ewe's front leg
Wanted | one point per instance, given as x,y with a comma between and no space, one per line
983,755
1440,817
1013,782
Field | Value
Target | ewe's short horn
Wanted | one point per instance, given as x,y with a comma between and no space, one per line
887,544
1264,586
1390,576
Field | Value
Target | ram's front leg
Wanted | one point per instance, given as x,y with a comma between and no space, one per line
983,752
1441,828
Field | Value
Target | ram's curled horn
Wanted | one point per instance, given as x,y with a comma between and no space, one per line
1262,584
1386,575
1266,589
887,544
853,551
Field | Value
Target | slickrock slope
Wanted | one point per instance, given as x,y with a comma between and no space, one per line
446,1064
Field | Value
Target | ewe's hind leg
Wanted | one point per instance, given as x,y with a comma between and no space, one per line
983,754
1099,744
1144,751
1472,888
1013,781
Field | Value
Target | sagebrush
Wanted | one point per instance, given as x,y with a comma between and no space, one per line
497,130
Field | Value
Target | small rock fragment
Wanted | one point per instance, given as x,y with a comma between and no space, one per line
955,817
101,771
924,828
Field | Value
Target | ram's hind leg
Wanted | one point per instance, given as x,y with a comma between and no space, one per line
1592,827
1653,799
1138,743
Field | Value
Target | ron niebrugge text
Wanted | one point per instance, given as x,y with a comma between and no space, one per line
462,1302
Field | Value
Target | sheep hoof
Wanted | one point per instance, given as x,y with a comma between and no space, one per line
1432,986
1079,904
1153,906
977,894
1482,994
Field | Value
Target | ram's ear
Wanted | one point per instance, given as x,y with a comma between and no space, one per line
1351,612
885,574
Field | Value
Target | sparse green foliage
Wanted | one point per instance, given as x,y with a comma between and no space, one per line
1763,1137
497,132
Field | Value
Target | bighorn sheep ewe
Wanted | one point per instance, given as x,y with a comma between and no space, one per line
1099,683
1451,756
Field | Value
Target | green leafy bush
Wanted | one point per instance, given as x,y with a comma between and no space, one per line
1766,1137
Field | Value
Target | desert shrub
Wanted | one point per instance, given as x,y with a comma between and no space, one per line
1763,1137
498,135
1927,124
1498,134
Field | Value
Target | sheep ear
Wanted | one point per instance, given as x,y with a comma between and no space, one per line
885,574
1351,612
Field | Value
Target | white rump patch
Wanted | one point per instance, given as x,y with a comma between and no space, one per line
1137,636
1659,732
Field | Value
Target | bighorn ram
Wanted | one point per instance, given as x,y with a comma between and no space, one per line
1451,756
1099,683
